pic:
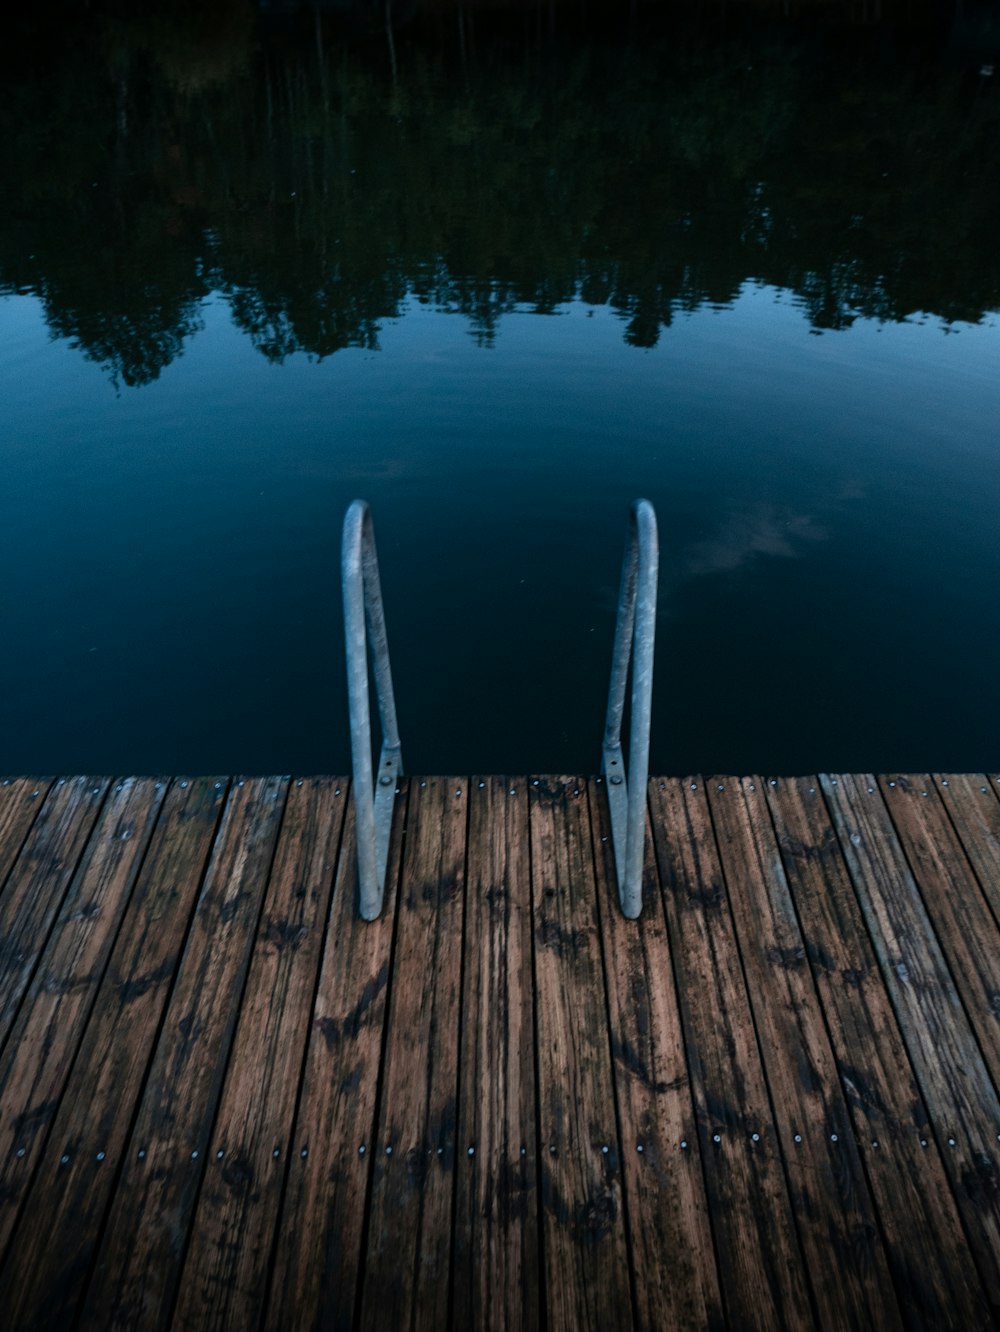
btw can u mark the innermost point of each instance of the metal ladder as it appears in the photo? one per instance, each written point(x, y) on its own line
point(374, 796)
point(364, 617)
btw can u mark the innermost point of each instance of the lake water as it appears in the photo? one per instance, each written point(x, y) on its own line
point(751, 276)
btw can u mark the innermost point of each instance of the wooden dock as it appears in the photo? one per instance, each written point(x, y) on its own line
point(770, 1103)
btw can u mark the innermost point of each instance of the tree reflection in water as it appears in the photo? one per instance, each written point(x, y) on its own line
point(151, 161)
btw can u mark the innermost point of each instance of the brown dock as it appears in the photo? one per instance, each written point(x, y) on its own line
point(771, 1102)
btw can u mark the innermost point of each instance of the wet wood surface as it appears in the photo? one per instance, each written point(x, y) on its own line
point(761, 1271)
point(840, 1239)
point(586, 1273)
point(226, 1101)
point(253, 1145)
point(415, 1152)
point(496, 1200)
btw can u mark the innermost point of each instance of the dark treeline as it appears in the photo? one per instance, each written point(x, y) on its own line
point(320, 180)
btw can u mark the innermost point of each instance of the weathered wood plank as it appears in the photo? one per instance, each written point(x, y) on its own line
point(47, 1263)
point(407, 1267)
point(935, 1276)
point(670, 1236)
point(496, 1206)
point(956, 1086)
point(224, 1281)
point(764, 1284)
point(138, 1264)
point(836, 1222)
point(20, 800)
point(39, 1055)
point(586, 1272)
point(975, 813)
point(38, 881)
point(965, 926)
point(319, 1252)
point(845, 961)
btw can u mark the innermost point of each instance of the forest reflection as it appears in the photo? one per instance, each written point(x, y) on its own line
point(319, 186)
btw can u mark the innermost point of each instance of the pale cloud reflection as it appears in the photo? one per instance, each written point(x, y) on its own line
point(747, 534)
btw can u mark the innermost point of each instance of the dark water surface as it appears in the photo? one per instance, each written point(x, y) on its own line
point(751, 274)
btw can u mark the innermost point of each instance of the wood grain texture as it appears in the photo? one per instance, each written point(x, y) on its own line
point(965, 926)
point(408, 1259)
point(670, 1236)
point(318, 1257)
point(961, 1100)
point(38, 880)
point(44, 1041)
point(586, 1270)
point(138, 1264)
point(188, 976)
point(973, 804)
point(21, 798)
point(50, 1257)
point(496, 1207)
point(224, 1281)
point(934, 1273)
point(763, 1280)
point(840, 1239)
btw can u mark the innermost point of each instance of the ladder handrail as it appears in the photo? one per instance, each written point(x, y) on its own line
point(635, 632)
point(364, 623)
